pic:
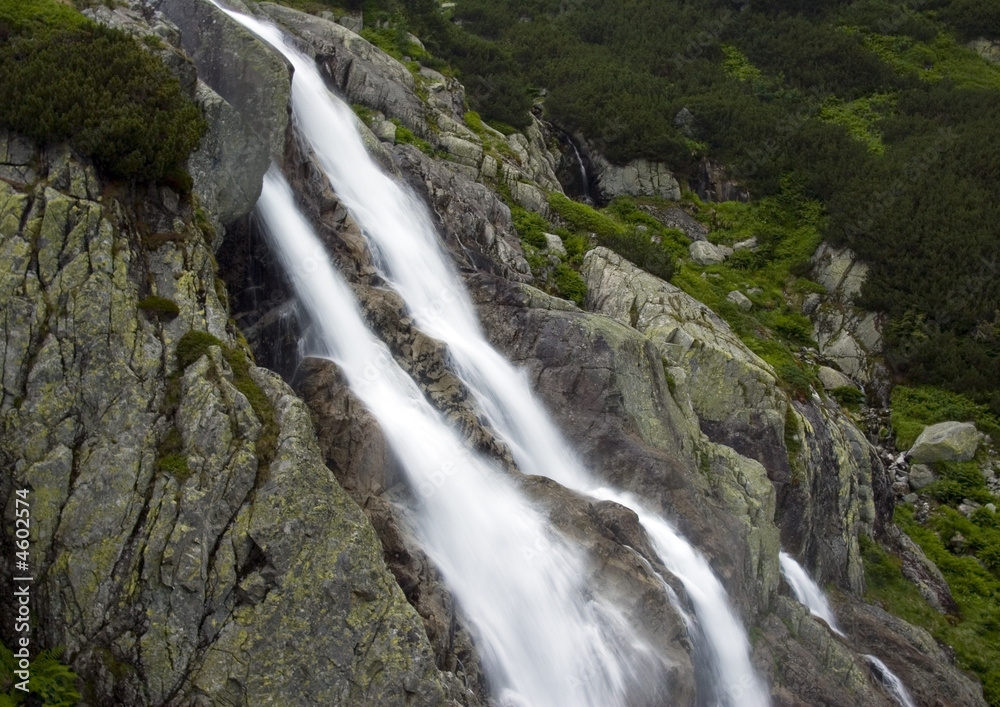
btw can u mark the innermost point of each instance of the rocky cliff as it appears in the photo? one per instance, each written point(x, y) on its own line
point(213, 534)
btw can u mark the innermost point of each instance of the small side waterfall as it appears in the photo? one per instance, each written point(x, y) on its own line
point(893, 685)
point(406, 249)
point(807, 591)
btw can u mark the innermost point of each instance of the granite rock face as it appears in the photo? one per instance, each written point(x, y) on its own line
point(194, 547)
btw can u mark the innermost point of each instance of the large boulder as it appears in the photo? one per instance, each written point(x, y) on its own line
point(946, 442)
point(228, 164)
point(705, 253)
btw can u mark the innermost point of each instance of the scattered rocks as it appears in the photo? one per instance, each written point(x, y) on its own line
point(748, 244)
point(946, 442)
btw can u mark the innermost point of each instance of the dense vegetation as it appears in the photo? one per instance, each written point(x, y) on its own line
point(65, 78)
point(876, 106)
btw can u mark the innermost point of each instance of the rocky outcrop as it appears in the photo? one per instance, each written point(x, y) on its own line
point(473, 221)
point(987, 49)
point(363, 72)
point(608, 390)
point(848, 337)
point(712, 184)
point(637, 178)
point(244, 71)
point(820, 463)
point(946, 442)
point(194, 548)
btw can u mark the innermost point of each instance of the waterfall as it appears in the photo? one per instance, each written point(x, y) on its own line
point(544, 639)
point(406, 249)
point(807, 591)
point(892, 683)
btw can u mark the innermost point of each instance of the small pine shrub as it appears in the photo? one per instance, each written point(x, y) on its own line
point(848, 396)
point(68, 79)
point(570, 284)
point(795, 378)
point(530, 226)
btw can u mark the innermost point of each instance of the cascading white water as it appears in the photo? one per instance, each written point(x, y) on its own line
point(545, 640)
point(807, 591)
point(406, 248)
point(892, 682)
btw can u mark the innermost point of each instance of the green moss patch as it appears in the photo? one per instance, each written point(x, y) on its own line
point(159, 306)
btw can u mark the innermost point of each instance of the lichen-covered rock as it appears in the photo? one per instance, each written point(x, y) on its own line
point(192, 548)
point(810, 452)
point(946, 442)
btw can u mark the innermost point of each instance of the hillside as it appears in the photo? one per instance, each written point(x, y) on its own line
point(500, 353)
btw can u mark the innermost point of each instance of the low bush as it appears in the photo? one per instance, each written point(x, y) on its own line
point(848, 396)
point(65, 78)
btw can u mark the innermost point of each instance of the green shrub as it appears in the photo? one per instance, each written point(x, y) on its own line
point(570, 284)
point(193, 345)
point(68, 79)
point(793, 376)
point(176, 465)
point(530, 226)
point(848, 396)
point(958, 480)
point(160, 306)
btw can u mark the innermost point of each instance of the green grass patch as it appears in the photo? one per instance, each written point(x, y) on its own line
point(860, 117)
point(630, 242)
point(971, 570)
point(97, 88)
point(958, 480)
point(405, 136)
point(936, 60)
point(915, 408)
